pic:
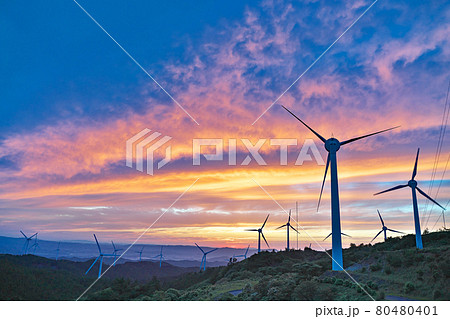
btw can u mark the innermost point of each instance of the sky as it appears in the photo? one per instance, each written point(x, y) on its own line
point(71, 98)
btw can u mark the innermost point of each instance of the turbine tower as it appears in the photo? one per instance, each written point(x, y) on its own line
point(161, 257)
point(412, 183)
point(244, 254)
point(100, 256)
point(140, 253)
point(288, 225)
point(35, 245)
point(27, 242)
point(260, 233)
point(384, 229)
point(115, 252)
point(332, 146)
point(203, 263)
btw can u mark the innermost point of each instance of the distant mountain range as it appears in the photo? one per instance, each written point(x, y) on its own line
point(177, 255)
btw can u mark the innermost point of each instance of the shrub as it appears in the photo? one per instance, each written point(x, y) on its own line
point(394, 260)
point(409, 286)
point(375, 267)
point(387, 270)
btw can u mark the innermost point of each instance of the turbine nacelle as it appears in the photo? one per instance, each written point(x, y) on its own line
point(412, 183)
point(332, 145)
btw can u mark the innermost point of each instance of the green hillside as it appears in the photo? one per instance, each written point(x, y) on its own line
point(390, 270)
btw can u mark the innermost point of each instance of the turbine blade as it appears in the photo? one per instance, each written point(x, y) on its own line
point(395, 231)
point(289, 219)
point(114, 246)
point(346, 235)
point(376, 235)
point(423, 193)
point(391, 189)
point(281, 226)
point(92, 265)
point(327, 237)
point(212, 250)
point(265, 221)
point(98, 245)
point(382, 222)
point(35, 234)
point(265, 239)
point(247, 250)
point(415, 165)
point(24, 234)
point(199, 248)
point(251, 230)
point(364, 136)
point(315, 133)
point(323, 183)
point(294, 229)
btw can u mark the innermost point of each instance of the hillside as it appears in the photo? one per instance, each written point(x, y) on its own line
point(390, 270)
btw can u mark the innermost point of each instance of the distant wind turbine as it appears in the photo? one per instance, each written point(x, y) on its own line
point(203, 263)
point(100, 256)
point(384, 228)
point(244, 254)
point(27, 242)
point(161, 257)
point(57, 251)
point(413, 185)
point(36, 244)
point(332, 146)
point(288, 225)
point(140, 253)
point(260, 233)
point(115, 251)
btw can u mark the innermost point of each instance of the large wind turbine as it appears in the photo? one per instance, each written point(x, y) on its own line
point(260, 233)
point(288, 225)
point(203, 263)
point(100, 256)
point(115, 252)
point(384, 228)
point(27, 242)
point(413, 185)
point(161, 257)
point(332, 145)
point(244, 254)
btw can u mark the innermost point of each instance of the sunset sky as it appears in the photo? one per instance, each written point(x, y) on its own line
point(70, 99)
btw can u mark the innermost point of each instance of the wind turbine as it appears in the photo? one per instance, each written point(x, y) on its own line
point(260, 233)
point(332, 145)
point(332, 233)
point(100, 256)
point(244, 254)
point(140, 253)
point(57, 251)
point(203, 263)
point(384, 228)
point(161, 257)
point(413, 185)
point(115, 252)
point(288, 225)
point(35, 245)
point(27, 242)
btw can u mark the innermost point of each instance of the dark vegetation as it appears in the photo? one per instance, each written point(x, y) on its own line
point(393, 268)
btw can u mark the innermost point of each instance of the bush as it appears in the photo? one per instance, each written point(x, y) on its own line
point(394, 260)
point(375, 267)
point(409, 286)
point(387, 270)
